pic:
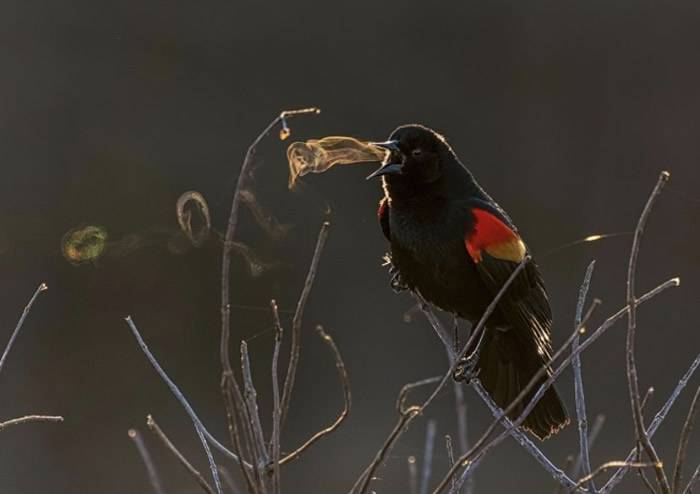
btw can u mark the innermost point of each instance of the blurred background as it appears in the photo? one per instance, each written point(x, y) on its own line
point(565, 111)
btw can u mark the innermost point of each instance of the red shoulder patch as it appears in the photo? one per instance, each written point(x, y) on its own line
point(493, 236)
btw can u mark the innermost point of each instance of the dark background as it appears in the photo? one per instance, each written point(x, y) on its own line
point(566, 111)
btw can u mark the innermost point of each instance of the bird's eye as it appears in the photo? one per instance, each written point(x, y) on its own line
point(417, 152)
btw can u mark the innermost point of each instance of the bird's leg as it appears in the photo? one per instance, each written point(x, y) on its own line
point(466, 367)
point(455, 336)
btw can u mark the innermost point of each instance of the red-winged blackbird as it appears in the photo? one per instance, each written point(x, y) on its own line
point(454, 245)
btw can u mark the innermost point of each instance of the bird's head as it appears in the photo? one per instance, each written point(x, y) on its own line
point(415, 155)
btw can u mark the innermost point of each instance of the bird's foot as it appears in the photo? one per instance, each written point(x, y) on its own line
point(466, 369)
point(396, 281)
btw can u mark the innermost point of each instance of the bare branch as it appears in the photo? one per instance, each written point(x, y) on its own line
point(275, 446)
point(568, 464)
point(30, 418)
point(696, 476)
point(606, 466)
point(412, 475)
point(153, 426)
point(592, 436)
point(633, 382)
point(153, 476)
point(450, 456)
point(405, 415)
point(428, 456)
point(41, 288)
point(231, 230)
point(683, 443)
point(655, 423)
point(296, 322)
point(347, 400)
point(251, 402)
point(578, 383)
point(198, 426)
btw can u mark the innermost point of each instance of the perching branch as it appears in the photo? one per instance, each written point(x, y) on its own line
point(408, 415)
point(633, 382)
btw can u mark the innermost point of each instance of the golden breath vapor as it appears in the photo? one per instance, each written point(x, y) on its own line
point(319, 155)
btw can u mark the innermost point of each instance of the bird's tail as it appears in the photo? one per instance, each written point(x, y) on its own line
point(505, 368)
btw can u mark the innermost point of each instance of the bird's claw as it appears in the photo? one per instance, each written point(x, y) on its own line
point(396, 282)
point(466, 369)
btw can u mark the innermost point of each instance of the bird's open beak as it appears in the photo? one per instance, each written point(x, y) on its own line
point(389, 167)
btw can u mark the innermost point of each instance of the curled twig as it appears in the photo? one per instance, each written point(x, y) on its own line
point(297, 320)
point(347, 400)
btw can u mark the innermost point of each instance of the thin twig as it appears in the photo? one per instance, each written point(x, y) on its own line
point(229, 480)
point(428, 456)
point(696, 476)
point(568, 465)
point(683, 442)
point(606, 466)
point(450, 454)
point(347, 400)
point(412, 475)
point(647, 396)
point(655, 423)
point(153, 476)
point(405, 413)
point(155, 428)
point(297, 320)
point(198, 426)
point(592, 437)
point(30, 418)
point(251, 400)
point(632, 380)
point(275, 446)
point(578, 383)
point(462, 428)
point(41, 288)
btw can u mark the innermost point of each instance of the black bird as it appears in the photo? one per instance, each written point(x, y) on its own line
point(454, 245)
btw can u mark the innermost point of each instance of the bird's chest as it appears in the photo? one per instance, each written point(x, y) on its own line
point(427, 242)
